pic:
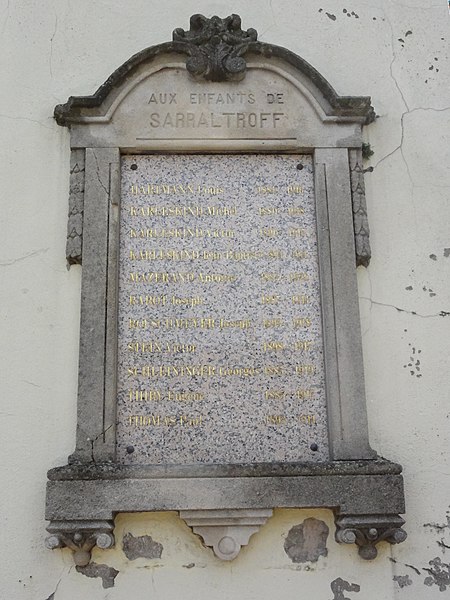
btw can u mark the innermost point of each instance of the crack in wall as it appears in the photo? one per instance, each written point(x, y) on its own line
point(442, 313)
point(5, 22)
point(30, 255)
point(93, 441)
point(98, 175)
point(3, 116)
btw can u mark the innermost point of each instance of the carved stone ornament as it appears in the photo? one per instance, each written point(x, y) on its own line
point(216, 47)
point(367, 530)
point(80, 537)
point(360, 220)
point(225, 531)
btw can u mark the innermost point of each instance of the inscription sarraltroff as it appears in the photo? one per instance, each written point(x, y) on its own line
point(211, 110)
point(220, 342)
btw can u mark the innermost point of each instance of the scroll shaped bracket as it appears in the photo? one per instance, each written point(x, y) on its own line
point(225, 531)
point(80, 537)
point(216, 47)
point(368, 530)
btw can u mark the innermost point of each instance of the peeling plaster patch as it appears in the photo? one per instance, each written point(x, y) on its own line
point(402, 580)
point(339, 586)
point(402, 41)
point(51, 597)
point(143, 546)
point(108, 574)
point(446, 252)
point(433, 257)
point(439, 574)
point(414, 363)
point(431, 293)
point(330, 16)
point(189, 566)
point(307, 542)
point(350, 14)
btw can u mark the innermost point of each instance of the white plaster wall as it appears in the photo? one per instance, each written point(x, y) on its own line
point(55, 48)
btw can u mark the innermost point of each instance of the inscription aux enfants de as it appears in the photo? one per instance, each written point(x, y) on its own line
point(215, 110)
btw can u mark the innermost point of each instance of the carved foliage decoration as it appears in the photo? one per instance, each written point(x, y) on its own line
point(215, 47)
point(360, 221)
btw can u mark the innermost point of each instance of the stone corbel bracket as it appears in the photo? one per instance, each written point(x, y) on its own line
point(225, 531)
point(367, 530)
point(80, 537)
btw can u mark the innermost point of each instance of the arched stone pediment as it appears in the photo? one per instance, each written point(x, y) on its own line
point(200, 86)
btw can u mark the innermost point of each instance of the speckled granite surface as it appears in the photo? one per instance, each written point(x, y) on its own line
point(220, 341)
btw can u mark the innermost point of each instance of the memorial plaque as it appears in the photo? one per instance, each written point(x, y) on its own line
point(220, 337)
point(220, 366)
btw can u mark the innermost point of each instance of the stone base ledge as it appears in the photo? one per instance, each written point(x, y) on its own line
point(365, 496)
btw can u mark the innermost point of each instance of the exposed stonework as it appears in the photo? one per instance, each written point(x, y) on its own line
point(339, 586)
point(107, 574)
point(307, 542)
point(402, 580)
point(439, 574)
point(141, 547)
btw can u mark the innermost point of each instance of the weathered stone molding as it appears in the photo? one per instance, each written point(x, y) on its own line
point(231, 501)
point(80, 537)
point(368, 530)
point(76, 204)
point(360, 220)
point(224, 61)
point(225, 531)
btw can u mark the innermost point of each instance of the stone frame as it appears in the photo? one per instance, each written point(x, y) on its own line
point(225, 504)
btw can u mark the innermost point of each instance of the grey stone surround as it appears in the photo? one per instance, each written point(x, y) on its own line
point(364, 491)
